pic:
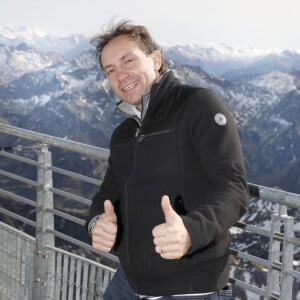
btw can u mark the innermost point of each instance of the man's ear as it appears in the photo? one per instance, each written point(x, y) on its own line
point(157, 58)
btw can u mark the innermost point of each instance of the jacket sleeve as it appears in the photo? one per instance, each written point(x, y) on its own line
point(215, 140)
point(108, 190)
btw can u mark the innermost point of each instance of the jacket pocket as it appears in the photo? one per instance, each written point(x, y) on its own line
point(157, 153)
point(153, 134)
point(144, 213)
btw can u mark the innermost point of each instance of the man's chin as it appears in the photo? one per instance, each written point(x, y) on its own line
point(133, 101)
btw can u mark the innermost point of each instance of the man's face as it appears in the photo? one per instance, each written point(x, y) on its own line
point(129, 70)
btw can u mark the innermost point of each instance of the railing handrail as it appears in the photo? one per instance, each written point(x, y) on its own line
point(69, 275)
point(274, 195)
point(55, 141)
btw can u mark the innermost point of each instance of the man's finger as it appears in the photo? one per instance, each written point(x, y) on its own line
point(169, 213)
point(110, 211)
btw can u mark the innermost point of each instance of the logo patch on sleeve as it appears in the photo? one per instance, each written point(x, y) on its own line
point(220, 119)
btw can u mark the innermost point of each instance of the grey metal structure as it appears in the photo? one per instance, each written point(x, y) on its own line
point(28, 273)
point(34, 266)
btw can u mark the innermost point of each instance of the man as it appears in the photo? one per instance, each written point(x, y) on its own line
point(175, 183)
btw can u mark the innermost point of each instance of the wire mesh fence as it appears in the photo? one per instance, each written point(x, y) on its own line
point(68, 276)
point(17, 252)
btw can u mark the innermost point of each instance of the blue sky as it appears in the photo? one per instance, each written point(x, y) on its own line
point(265, 24)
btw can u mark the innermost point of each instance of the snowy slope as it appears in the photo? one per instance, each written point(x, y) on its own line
point(35, 82)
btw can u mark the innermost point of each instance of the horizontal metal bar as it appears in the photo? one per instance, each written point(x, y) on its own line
point(275, 195)
point(71, 196)
point(55, 141)
point(247, 286)
point(253, 229)
point(67, 216)
point(17, 198)
point(19, 158)
point(18, 178)
point(83, 245)
point(249, 257)
point(17, 232)
point(242, 255)
point(294, 240)
point(76, 175)
point(81, 258)
point(17, 217)
point(294, 273)
point(278, 236)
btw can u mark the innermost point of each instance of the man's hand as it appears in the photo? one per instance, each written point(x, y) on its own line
point(105, 230)
point(171, 239)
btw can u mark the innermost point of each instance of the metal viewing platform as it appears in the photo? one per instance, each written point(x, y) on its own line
point(44, 253)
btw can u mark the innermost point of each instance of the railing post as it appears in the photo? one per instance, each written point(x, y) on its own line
point(274, 257)
point(44, 222)
point(287, 259)
point(273, 277)
point(279, 281)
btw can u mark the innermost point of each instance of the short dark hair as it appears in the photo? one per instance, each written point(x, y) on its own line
point(137, 32)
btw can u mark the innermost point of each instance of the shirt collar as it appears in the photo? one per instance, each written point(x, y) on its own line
point(130, 110)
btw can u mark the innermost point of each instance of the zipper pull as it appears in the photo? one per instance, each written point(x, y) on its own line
point(138, 136)
point(137, 133)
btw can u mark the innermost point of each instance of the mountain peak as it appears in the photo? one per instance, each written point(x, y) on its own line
point(23, 32)
point(68, 46)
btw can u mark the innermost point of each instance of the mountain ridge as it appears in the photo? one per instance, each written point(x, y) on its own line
point(34, 83)
point(222, 57)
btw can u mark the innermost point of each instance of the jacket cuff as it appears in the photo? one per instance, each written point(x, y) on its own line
point(92, 224)
point(193, 229)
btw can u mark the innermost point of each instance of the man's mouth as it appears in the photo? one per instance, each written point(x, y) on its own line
point(129, 87)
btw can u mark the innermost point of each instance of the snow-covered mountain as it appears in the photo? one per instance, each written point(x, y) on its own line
point(227, 61)
point(38, 86)
point(67, 45)
point(217, 59)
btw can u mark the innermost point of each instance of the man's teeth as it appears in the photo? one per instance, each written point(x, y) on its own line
point(128, 87)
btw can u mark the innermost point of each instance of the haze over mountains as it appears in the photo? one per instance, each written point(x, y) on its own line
point(55, 86)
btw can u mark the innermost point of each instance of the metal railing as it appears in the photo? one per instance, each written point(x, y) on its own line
point(48, 262)
point(60, 274)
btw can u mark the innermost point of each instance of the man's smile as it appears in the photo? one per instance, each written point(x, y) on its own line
point(129, 86)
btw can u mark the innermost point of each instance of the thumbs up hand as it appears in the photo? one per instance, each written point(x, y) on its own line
point(171, 239)
point(105, 230)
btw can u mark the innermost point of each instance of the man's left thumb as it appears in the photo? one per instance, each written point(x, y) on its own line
point(168, 210)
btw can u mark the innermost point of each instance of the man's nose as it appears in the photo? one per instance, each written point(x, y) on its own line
point(121, 74)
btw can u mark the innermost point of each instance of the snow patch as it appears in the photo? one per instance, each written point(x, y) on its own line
point(276, 81)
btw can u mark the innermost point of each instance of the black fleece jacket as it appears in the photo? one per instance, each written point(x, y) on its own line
point(188, 148)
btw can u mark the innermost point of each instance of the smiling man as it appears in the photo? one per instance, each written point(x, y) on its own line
point(130, 72)
point(175, 182)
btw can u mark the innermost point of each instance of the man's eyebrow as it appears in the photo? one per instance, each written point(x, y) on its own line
point(125, 55)
point(107, 67)
point(122, 58)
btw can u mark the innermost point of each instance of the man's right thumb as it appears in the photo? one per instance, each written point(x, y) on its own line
point(110, 211)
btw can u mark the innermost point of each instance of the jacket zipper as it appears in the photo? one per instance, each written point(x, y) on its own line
point(139, 137)
point(128, 254)
point(142, 136)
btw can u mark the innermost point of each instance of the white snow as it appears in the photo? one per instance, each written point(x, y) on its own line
point(28, 61)
point(22, 33)
point(276, 81)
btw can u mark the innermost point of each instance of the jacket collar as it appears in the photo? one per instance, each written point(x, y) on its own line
point(130, 110)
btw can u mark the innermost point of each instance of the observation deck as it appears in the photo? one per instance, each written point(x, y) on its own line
point(44, 251)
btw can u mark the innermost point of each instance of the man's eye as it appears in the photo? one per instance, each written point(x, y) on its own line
point(128, 61)
point(109, 72)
